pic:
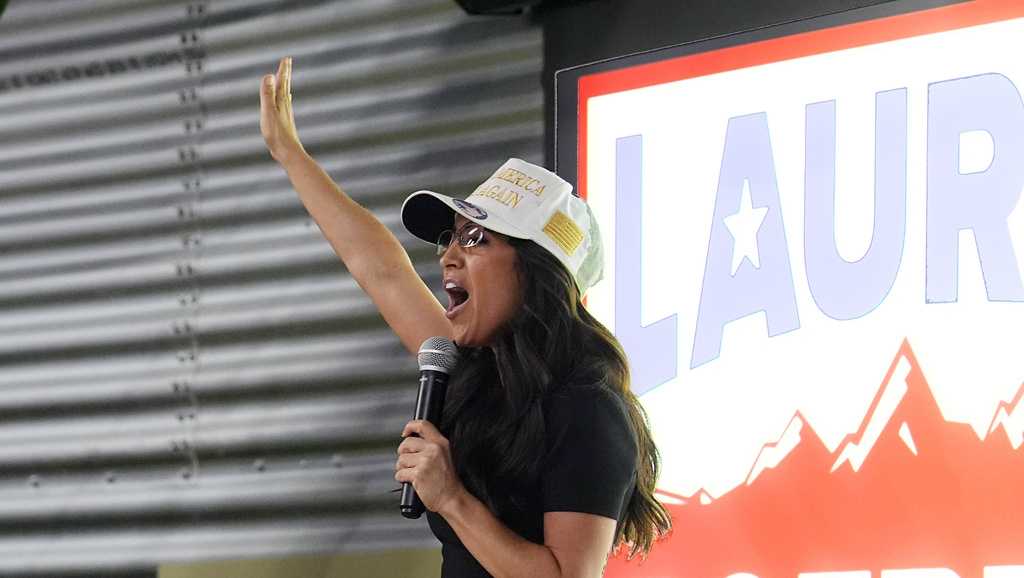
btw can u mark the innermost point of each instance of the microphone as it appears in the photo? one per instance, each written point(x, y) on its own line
point(437, 357)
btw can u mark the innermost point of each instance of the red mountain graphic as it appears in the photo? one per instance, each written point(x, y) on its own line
point(908, 490)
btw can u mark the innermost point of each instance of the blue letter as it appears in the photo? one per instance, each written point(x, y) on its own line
point(652, 350)
point(979, 201)
point(844, 289)
point(726, 297)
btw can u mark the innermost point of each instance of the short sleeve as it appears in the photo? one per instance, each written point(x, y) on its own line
point(591, 455)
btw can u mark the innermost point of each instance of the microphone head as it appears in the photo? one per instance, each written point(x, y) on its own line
point(438, 354)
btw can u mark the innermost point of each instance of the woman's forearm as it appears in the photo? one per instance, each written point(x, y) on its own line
point(372, 254)
point(502, 552)
point(368, 249)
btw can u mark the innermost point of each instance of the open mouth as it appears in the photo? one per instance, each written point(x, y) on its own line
point(457, 298)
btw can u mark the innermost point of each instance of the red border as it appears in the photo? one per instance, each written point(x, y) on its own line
point(784, 48)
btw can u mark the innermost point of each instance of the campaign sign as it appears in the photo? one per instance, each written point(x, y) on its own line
point(815, 251)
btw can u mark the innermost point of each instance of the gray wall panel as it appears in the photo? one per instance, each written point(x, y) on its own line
point(187, 372)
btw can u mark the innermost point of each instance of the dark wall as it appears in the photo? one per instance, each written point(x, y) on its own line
point(583, 31)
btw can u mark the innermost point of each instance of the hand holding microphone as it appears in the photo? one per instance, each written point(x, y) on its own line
point(424, 456)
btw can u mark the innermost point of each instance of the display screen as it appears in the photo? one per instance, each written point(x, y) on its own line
point(815, 244)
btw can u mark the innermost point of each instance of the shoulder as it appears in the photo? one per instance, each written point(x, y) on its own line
point(583, 396)
point(590, 410)
point(590, 464)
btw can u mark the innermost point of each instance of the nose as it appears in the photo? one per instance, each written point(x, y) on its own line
point(452, 256)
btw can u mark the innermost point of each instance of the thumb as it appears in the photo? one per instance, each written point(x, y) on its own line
point(267, 88)
point(268, 108)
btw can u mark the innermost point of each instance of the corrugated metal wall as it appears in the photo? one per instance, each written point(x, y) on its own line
point(187, 371)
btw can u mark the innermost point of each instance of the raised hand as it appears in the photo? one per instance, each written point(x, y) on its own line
point(277, 122)
point(372, 254)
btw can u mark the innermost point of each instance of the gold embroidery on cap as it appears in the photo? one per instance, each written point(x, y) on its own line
point(503, 195)
point(522, 180)
point(564, 232)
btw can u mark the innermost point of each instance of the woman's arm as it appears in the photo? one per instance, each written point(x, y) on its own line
point(371, 253)
point(576, 545)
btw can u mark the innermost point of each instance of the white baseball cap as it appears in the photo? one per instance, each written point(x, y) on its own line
point(524, 201)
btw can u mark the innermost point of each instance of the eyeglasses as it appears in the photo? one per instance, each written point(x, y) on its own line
point(468, 235)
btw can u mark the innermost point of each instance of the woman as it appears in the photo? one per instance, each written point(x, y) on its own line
point(543, 461)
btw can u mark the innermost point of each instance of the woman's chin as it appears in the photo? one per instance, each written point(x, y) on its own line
point(466, 339)
point(465, 342)
point(461, 337)
point(466, 334)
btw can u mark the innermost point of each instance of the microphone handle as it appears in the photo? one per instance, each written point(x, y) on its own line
point(429, 404)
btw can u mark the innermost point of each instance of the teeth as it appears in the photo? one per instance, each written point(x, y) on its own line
point(450, 285)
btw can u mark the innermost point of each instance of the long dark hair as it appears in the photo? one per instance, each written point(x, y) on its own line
point(496, 394)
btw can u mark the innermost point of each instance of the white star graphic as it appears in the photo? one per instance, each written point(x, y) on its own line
point(743, 226)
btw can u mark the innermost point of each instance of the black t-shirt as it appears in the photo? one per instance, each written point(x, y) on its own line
point(589, 466)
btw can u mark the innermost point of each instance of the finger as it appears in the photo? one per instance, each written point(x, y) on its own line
point(280, 76)
point(406, 475)
point(267, 109)
point(412, 428)
point(411, 445)
point(425, 430)
point(286, 106)
point(288, 77)
point(267, 93)
point(408, 461)
point(287, 96)
point(283, 82)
